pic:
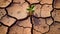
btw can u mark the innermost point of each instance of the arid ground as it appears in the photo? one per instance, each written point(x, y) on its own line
point(15, 18)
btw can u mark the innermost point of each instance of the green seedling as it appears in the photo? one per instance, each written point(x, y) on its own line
point(31, 9)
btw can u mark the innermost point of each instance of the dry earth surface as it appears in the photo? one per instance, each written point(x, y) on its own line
point(15, 19)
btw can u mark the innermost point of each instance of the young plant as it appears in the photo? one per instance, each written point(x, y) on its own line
point(31, 10)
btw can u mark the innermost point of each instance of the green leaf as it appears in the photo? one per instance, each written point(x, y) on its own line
point(28, 9)
point(31, 9)
point(32, 6)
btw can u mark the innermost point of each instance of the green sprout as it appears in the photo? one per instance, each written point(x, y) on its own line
point(31, 9)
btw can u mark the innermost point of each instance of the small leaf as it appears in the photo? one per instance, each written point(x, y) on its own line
point(28, 9)
point(32, 6)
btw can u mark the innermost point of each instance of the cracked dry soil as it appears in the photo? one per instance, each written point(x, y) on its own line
point(14, 18)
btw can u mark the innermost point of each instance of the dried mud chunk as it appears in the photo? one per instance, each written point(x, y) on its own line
point(24, 23)
point(3, 29)
point(16, 30)
point(56, 3)
point(7, 20)
point(49, 21)
point(19, 1)
point(54, 29)
point(27, 31)
point(18, 11)
point(40, 25)
point(56, 15)
point(4, 3)
point(37, 12)
point(19, 30)
point(2, 13)
point(45, 11)
point(36, 32)
point(33, 1)
point(46, 1)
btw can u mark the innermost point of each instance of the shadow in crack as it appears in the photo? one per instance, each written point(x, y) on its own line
point(36, 21)
point(35, 15)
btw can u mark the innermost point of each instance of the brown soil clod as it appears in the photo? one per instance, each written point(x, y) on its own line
point(4, 3)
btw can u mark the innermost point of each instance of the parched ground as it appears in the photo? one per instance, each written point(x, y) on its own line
point(15, 19)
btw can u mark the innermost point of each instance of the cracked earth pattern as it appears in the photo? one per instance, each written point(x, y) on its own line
point(14, 18)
